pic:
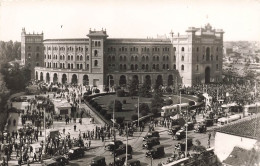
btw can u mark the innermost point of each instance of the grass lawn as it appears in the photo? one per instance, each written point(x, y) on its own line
point(131, 103)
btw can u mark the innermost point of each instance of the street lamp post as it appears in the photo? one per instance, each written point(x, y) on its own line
point(138, 111)
point(114, 131)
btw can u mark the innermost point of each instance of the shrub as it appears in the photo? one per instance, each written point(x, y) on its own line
point(120, 93)
point(154, 111)
point(87, 98)
point(191, 103)
point(120, 120)
point(134, 117)
point(124, 101)
point(117, 106)
point(91, 101)
point(169, 102)
point(168, 89)
point(143, 113)
point(103, 112)
point(108, 116)
point(106, 89)
point(98, 108)
point(94, 104)
point(97, 91)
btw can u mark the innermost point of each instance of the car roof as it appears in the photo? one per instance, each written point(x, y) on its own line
point(132, 160)
point(157, 146)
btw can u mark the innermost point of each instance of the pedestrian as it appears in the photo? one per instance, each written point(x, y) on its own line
point(89, 143)
point(75, 127)
point(209, 135)
point(34, 157)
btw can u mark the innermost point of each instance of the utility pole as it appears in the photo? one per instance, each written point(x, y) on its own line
point(109, 83)
point(186, 141)
point(114, 131)
point(151, 160)
point(44, 125)
point(138, 111)
point(126, 143)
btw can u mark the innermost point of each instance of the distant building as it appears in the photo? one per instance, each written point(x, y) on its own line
point(101, 61)
point(243, 134)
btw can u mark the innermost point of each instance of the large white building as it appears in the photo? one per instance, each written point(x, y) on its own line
point(97, 60)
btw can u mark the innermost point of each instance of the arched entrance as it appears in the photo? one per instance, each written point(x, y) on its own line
point(122, 80)
point(41, 76)
point(170, 80)
point(207, 75)
point(64, 79)
point(74, 79)
point(147, 80)
point(85, 80)
point(55, 77)
point(110, 80)
point(159, 80)
point(48, 77)
point(36, 75)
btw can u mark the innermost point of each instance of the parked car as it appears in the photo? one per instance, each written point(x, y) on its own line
point(179, 135)
point(174, 129)
point(190, 126)
point(122, 149)
point(133, 162)
point(200, 128)
point(156, 152)
point(151, 134)
point(208, 122)
point(151, 142)
point(74, 153)
point(50, 162)
point(120, 160)
point(182, 145)
point(98, 161)
point(113, 145)
point(61, 160)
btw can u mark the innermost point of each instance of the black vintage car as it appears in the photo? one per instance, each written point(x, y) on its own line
point(113, 145)
point(98, 161)
point(179, 135)
point(190, 126)
point(151, 134)
point(200, 128)
point(174, 129)
point(150, 142)
point(122, 149)
point(156, 152)
point(74, 153)
point(61, 160)
point(182, 145)
point(208, 122)
point(133, 162)
point(120, 160)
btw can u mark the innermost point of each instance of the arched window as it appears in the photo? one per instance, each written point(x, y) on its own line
point(158, 58)
point(81, 57)
point(174, 48)
point(132, 58)
point(68, 57)
point(174, 57)
point(95, 63)
point(217, 57)
point(143, 66)
point(163, 58)
point(143, 58)
point(132, 67)
point(87, 58)
point(167, 57)
point(182, 58)
point(217, 49)
point(81, 66)
point(136, 67)
point(95, 53)
point(95, 43)
point(68, 66)
point(71, 66)
point(120, 66)
point(120, 58)
point(212, 57)
point(153, 66)
point(174, 66)
point(182, 67)
point(77, 57)
point(147, 58)
point(153, 58)
point(71, 57)
point(63, 57)
point(136, 58)
point(167, 66)
point(197, 68)
point(157, 66)
point(207, 54)
point(197, 49)
point(182, 49)
point(99, 44)
point(147, 67)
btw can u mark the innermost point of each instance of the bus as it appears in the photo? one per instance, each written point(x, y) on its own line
point(226, 120)
point(251, 108)
point(173, 109)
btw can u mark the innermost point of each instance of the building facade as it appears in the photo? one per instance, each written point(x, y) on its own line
point(101, 61)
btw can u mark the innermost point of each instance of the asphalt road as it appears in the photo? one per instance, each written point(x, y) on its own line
point(138, 152)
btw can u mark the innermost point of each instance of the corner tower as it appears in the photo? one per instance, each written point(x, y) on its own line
point(96, 47)
point(31, 50)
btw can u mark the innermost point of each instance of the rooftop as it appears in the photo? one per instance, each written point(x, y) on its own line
point(249, 128)
point(240, 156)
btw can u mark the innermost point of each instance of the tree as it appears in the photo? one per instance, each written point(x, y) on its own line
point(120, 120)
point(144, 107)
point(134, 117)
point(144, 91)
point(117, 106)
point(133, 87)
point(169, 102)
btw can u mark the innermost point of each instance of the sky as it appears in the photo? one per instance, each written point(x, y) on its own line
point(240, 19)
